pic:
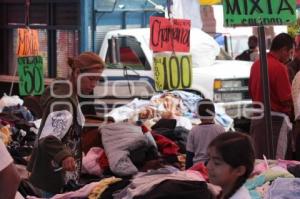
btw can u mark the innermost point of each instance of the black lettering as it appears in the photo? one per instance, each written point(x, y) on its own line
point(37, 79)
point(166, 85)
point(252, 22)
point(245, 7)
point(288, 7)
point(172, 85)
point(244, 21)
point(234, 8)
point(22, 61)
point(256, 7)
point(155, 27)
point(269, 7)
point(189, 83)
point(186, 37)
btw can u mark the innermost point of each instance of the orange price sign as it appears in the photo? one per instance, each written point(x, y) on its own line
point(28, 42)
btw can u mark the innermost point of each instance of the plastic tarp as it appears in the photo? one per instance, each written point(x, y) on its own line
point(188, 9)
point(204, 48)
point(210, 2)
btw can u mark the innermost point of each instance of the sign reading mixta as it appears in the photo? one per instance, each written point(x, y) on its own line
point(259, 12)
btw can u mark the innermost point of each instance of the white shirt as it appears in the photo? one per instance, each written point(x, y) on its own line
point(296, 95)
point(241, 193)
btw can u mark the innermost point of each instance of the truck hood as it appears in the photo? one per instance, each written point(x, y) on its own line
point(226, 69)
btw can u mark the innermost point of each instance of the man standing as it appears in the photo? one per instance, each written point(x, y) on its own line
point(294, 65)
point(280, 95)
point(252, 53)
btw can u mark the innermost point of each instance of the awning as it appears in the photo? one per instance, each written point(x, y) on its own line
point(212, 2)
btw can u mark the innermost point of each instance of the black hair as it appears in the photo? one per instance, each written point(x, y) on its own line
point(236, 150)
point(206, 108)
point(282, 40)
point(252, 42)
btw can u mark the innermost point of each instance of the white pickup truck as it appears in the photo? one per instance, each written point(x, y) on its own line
point(129, 71)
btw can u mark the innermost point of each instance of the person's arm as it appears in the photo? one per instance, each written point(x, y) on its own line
point(61, 154)
point(189, 159)
point(53, 131)
point(9, 181)
point(9, 177)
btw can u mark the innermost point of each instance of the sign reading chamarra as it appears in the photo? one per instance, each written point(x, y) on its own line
point(259, 12)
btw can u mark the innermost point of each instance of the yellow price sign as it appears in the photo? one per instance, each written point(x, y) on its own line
point(172, 72)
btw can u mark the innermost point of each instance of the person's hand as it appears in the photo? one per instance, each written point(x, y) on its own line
point(68, 164)
point(214, 189)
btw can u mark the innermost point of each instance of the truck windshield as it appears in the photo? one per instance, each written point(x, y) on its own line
point(129, 53)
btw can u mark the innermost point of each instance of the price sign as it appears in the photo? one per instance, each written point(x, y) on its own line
point(167, 35)
point(172, 72)
point(256, 13)
point(28, 42)
point(31, 78)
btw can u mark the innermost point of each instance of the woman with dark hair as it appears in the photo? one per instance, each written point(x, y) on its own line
point(56, 157)
point(231, 161)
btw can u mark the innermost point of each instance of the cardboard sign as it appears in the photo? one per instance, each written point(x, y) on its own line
point(258, 12)
point(169, 35)
point(31, 76)
point(172, 72)
point(28, 42)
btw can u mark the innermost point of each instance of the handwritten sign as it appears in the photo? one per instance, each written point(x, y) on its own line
point(172, 72)
point(169, 35)
point(31, 78)
point(256, 12)
point(28, 42)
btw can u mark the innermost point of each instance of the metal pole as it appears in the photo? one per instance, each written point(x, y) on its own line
point(266, 92)
point(94, 25)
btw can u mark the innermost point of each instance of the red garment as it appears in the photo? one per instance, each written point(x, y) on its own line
point(165, 146)
point(144, 129)
point(280, 88)
point(200, 167)
point(103, 161)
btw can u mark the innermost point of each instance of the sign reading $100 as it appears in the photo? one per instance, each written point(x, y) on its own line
point(172, 72)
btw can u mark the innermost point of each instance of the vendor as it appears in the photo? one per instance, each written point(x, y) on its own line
point(56, 157)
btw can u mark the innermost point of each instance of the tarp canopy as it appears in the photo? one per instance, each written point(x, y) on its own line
point(210, 2)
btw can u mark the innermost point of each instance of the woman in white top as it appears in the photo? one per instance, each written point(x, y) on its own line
point(296, 101)
point(231, 161)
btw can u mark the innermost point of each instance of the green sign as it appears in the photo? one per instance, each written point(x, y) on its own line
point(259, 12)
point(31, 78)
point(172, 72)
